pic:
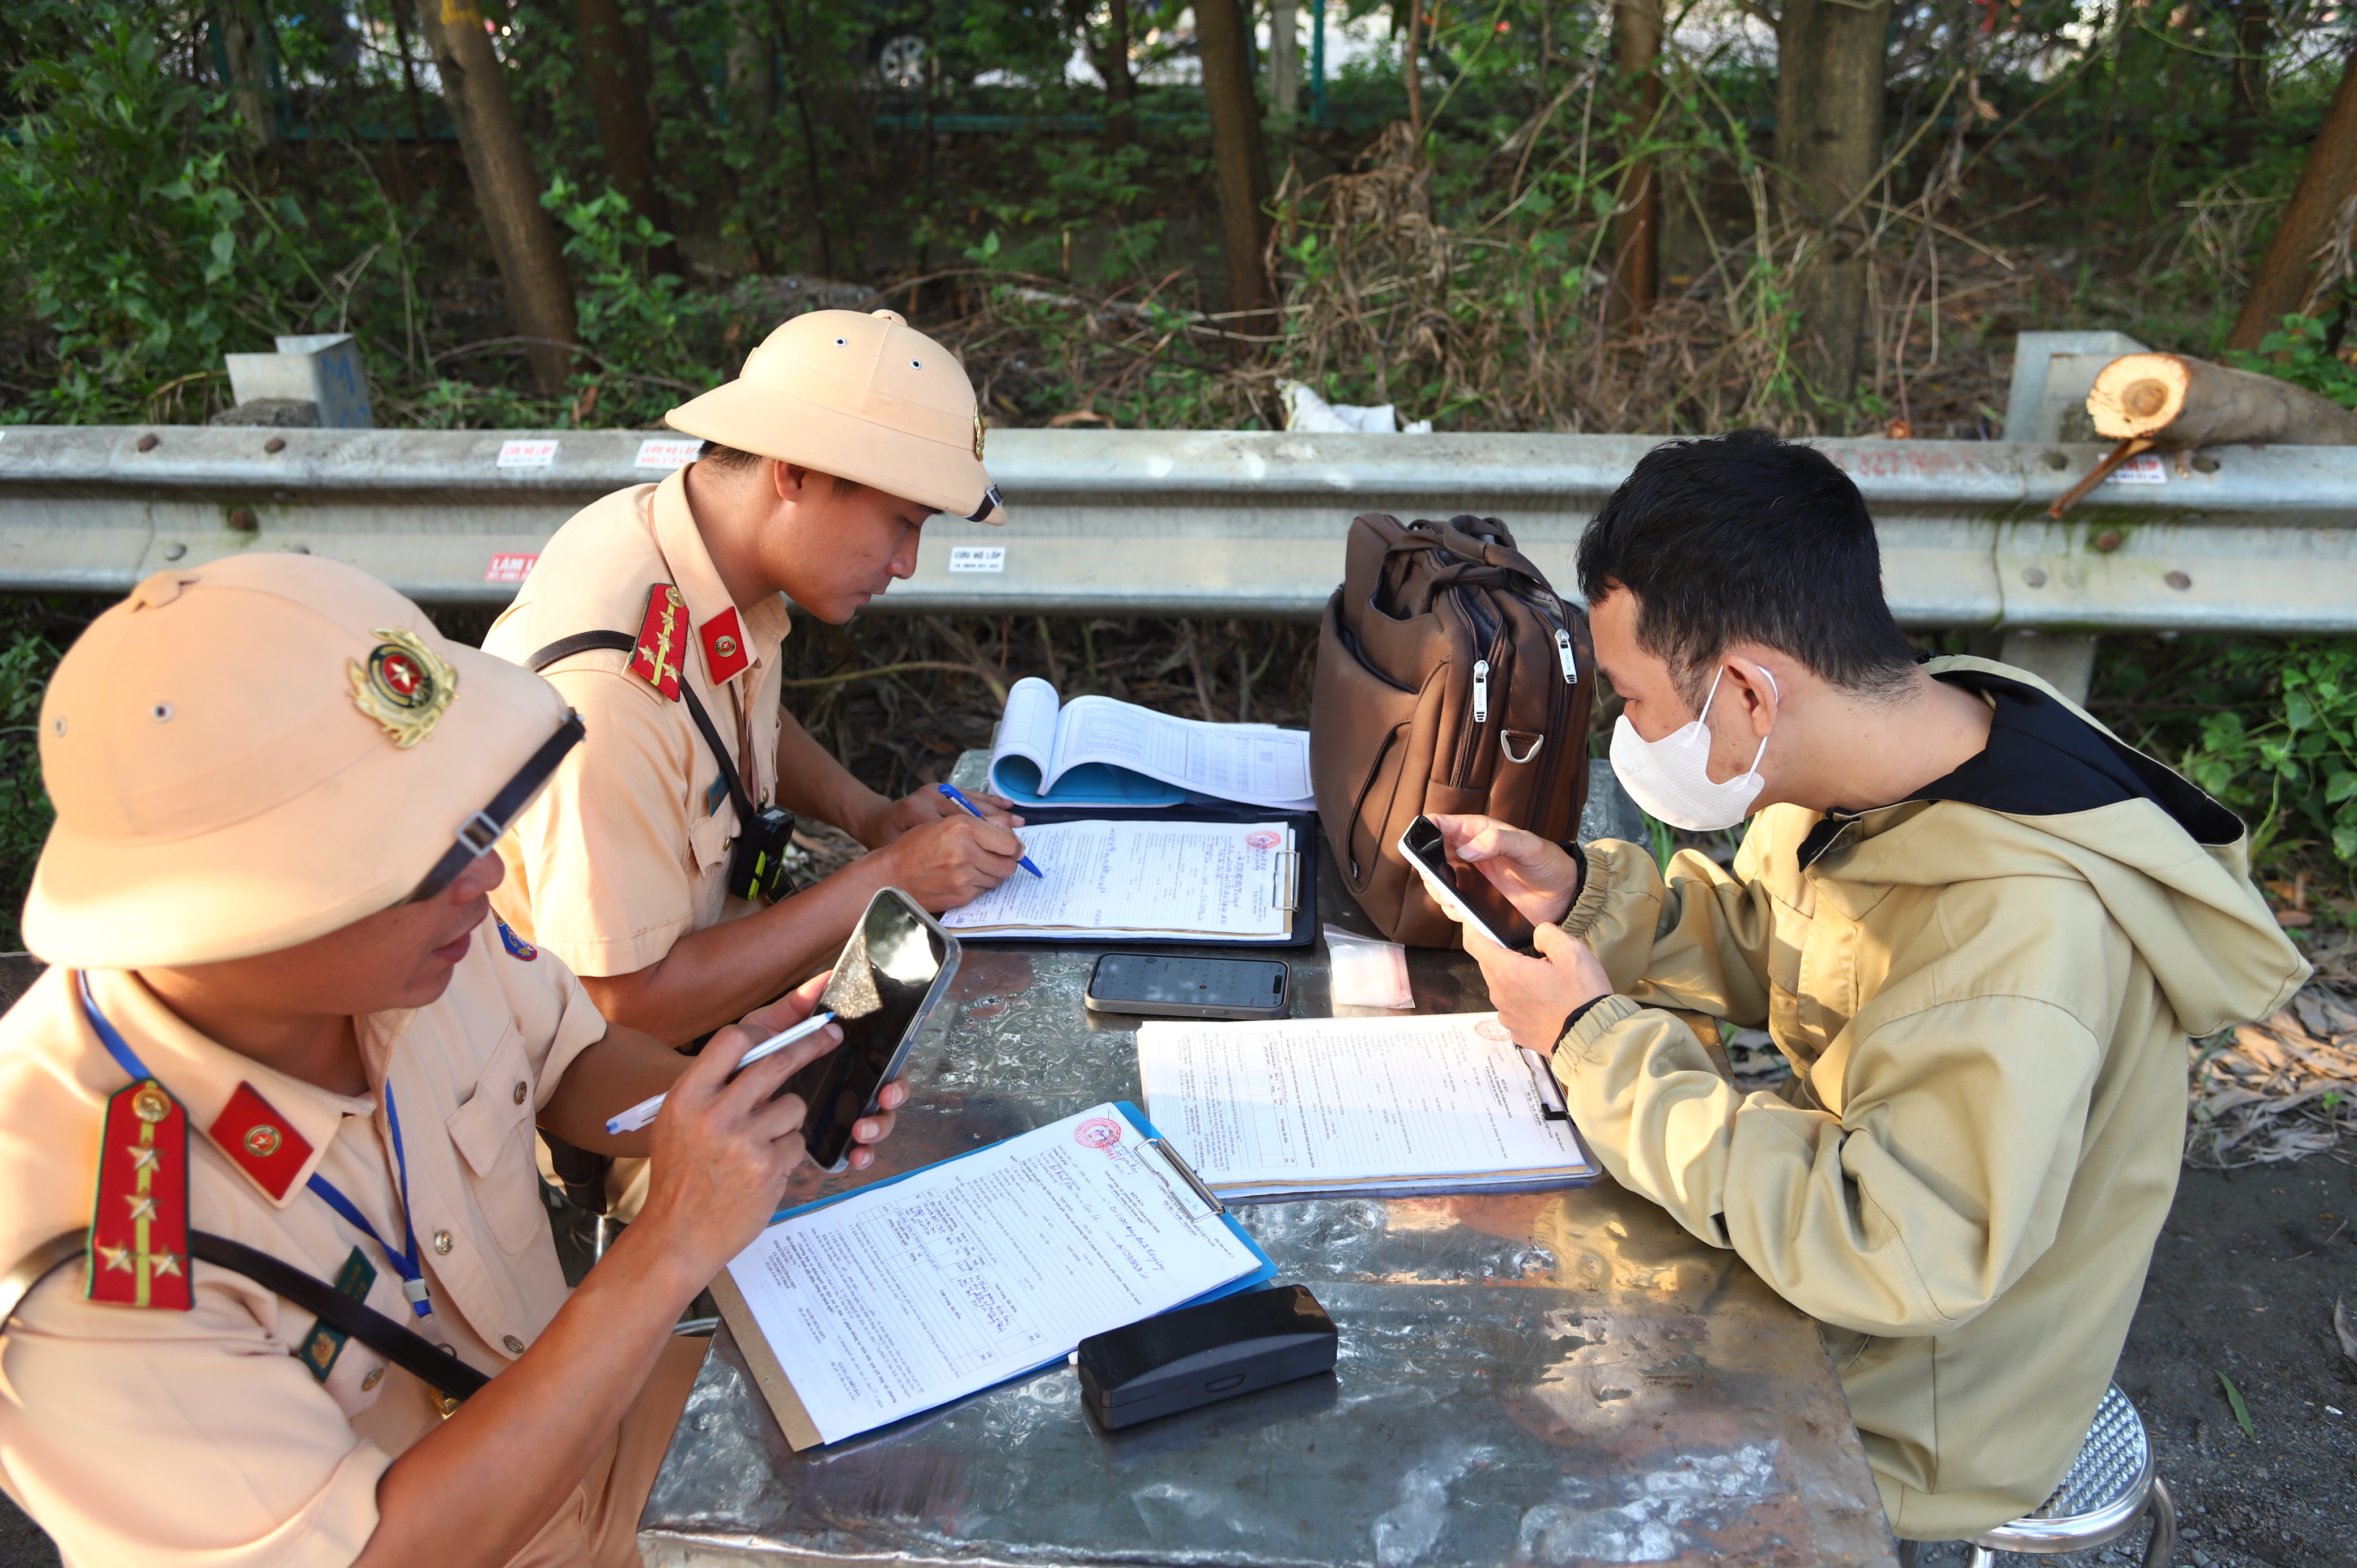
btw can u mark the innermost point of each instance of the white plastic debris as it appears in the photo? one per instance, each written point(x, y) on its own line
point(1306, 411)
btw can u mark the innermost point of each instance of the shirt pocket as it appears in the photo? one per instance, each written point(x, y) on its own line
point(493, 1134)
point(708, 838)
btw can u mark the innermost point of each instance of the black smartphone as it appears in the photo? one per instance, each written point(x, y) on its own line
point(1156, 987)
point(893, 972)
point(1462, 889)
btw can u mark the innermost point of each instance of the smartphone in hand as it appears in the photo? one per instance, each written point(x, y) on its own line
point(1462, 890)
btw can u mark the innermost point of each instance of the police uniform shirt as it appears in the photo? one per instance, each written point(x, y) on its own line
point(177, 1437)
point(628, 850)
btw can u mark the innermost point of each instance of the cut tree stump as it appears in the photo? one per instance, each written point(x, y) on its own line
point(2176, 401)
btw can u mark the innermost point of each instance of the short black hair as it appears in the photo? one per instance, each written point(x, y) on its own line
point(734, 460)
point(1747, 538)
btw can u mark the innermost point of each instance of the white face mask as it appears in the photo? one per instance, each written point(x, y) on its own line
point(1669, 778)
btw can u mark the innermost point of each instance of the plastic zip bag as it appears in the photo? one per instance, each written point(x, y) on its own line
point(1368, 972)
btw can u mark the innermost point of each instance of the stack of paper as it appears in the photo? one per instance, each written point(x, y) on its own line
point(1313, 1106)
point(916, 1291)
point(1225, 881)
point(1097, 751)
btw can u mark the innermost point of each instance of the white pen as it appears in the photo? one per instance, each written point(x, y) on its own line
point(638, 1115)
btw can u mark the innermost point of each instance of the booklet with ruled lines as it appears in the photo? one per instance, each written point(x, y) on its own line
point(1318, 1107)
point(1101, 751)
point(857, 1311)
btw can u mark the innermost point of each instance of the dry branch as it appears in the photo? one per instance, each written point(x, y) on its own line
point(2178, 402)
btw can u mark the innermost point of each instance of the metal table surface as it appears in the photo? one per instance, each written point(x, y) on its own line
point(1551, 1377)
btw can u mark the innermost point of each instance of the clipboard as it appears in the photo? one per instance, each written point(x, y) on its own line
point(777, 1387)
point(1304, 873)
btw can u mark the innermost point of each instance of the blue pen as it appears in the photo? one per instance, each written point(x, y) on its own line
point(1023, 861)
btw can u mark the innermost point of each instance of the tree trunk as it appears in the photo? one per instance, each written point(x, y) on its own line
point(615, 59)
point(245, 40)
point(1829, 141)
point(1637, 214)
point(2175, 401)
point(2253, 25)
point(2327, 182)
point(507, 190)
point(1239, 162)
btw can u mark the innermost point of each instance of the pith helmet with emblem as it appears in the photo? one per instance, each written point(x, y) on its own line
point(252, 753)
point(862, 396)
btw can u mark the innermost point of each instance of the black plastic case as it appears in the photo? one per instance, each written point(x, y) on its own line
point(1201, 1355)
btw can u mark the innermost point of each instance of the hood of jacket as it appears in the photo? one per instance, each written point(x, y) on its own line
point(2056, 793)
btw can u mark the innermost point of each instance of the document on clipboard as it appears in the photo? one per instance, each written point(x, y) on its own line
point(1164, 881)
point(861, 1310)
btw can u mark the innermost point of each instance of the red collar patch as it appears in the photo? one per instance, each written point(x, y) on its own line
point(260, 1142)
point(663, 641)
point(725, 655)
point(139, 1229)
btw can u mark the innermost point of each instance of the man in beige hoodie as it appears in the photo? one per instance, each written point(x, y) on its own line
point(1978, 925)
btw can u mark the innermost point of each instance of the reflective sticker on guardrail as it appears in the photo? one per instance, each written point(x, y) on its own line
point(509, 568)
point(667, 452)
point(2145, 471)
point(977, 557)
point(527, 453)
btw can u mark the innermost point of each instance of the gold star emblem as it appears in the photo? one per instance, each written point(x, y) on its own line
point(141, 1208)
point(116, 1258)
point(143, 1157)
point(405, 685)
point(163, 1262)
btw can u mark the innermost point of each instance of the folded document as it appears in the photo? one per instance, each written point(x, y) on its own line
point(1099, 751)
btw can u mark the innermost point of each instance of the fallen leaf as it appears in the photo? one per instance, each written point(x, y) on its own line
point(2241, 1412)
point(2294, 918)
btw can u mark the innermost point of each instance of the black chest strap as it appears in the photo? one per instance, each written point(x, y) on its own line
point(620, 642)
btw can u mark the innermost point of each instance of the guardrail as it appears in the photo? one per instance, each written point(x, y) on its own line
point(1186, 523)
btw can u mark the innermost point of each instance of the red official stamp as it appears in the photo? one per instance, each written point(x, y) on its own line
point(1265, 839)
point(1490, 1029)
point(1098, 1132)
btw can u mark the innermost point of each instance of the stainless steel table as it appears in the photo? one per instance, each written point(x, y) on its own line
point(1554, 1378)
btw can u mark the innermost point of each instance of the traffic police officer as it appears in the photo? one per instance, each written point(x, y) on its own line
point(279, 1020)
point(658, 612)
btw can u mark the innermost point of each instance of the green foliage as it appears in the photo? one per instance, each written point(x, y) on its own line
point(2297, 352)
point(26, 660)
point(2234, 1403)
point(2290, 767)
point(650, 341)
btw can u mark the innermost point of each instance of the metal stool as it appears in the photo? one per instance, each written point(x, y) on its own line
point(2110, 1487)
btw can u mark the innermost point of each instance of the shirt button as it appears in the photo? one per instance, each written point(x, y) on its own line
point(442, 1242)
point(514, 1345)
point(519, 1091)
point(369, 1383)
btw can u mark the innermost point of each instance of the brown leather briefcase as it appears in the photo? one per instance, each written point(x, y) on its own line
point(1450, 677)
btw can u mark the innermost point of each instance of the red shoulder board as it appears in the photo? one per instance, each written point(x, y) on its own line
point(139, 1229)
point(258, 1141)
point(663, 641)
point(724, 646)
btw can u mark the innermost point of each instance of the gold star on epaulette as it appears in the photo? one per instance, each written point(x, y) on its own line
point(142, 1158)
point(142, 1206)
point(116, 1258)
point(163, 1262)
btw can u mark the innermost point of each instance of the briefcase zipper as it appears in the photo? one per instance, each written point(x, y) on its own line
point(1563, 651)
point(1558, 720)
point(1480, 692)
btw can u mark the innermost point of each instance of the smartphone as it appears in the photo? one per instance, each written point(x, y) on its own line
point(1462, 889)
point(893, 972)
point(1157, 987)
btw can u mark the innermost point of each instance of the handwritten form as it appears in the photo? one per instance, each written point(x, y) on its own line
point(1101, 751)
point(1223, 880)
point(904, 1296)
point(1305, 1105)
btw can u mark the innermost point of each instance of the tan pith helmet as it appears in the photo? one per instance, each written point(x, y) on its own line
point(864, 397)
point(249, 754)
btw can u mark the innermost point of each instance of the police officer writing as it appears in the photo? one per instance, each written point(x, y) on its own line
point(653, 863)
point(282, 1031)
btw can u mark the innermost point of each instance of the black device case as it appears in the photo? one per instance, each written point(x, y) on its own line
point(1199, 1355)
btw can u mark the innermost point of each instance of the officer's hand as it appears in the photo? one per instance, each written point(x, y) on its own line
point(949, 863)
point(1537, 877)
point(789, 1009)
point(929, 805)
point(723, 1150)
point(1535, 995)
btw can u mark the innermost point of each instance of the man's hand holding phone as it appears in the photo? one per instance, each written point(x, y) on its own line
point(1533, 995)
point(1539, 878)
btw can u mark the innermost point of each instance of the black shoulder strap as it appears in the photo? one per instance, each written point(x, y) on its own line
point(621, 642)
point(412, 1352)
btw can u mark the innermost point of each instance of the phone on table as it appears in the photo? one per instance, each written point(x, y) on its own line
point(1155, 986)
point(893, 972)
point(1463, 890)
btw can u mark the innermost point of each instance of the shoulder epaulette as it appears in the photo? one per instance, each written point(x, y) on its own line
point(661, 648)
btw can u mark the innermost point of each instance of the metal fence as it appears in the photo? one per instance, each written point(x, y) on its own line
point(1183, 522)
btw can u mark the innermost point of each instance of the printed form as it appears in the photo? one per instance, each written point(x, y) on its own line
point(1303, 1104)
point(1221, 880)
point(1059, 752)
point(906, 1295)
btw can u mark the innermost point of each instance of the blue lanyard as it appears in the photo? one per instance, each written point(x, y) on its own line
point(404, 1261)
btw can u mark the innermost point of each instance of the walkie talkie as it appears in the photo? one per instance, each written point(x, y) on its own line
point(757, 866)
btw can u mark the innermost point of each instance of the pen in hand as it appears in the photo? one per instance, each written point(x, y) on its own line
point(638, 1115)
point(953, 793)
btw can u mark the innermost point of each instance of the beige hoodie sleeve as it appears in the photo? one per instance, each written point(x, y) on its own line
point(1695, 939)
point(1962, 1091)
